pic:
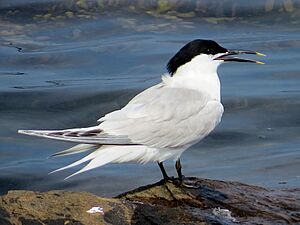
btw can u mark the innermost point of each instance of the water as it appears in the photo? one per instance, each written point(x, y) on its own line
point(65, 66)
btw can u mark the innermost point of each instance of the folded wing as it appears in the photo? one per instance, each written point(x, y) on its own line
point(164, 117)
point(159, 117)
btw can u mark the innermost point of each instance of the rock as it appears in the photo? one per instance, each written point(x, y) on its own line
point(55, 208)
point(214, 202)
point(248, 204)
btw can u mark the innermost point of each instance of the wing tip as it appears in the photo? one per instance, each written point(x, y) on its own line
point(25, 132)
point(32, 132)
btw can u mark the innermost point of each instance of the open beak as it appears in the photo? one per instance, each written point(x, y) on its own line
point(228, 56)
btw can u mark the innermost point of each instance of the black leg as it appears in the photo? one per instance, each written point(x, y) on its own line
point(182, 181)
point(163, 171)
point(178, 169)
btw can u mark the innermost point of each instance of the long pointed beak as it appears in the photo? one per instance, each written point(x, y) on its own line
point(225, 56)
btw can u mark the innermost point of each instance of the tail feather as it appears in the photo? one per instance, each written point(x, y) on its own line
point(110, 154)
point(76, 149)
point(78, 162)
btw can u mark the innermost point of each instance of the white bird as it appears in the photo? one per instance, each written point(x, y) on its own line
point(161, 122)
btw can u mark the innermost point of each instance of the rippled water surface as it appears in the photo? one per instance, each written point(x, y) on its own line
point(65, 66)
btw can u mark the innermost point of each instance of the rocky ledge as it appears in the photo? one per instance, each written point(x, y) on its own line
point(214, 202)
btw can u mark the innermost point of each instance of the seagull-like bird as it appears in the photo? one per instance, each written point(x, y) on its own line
point(161, 122)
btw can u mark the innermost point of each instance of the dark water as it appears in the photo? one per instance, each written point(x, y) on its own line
point(66, 65)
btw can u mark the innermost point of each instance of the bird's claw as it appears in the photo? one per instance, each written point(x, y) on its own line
point(169, 180)
point(182, 182)
point(194, 185)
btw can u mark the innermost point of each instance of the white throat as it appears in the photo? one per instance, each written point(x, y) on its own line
point(199, 74)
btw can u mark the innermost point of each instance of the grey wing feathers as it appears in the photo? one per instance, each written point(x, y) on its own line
point(163, 117)
point(91, 135)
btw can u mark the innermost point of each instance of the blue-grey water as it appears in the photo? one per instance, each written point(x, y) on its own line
point(66, 65)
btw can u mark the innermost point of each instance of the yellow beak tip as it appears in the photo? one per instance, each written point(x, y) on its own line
point(259, 54)
point(258, 62)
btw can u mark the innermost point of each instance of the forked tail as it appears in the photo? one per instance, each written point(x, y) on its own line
point(102, 155)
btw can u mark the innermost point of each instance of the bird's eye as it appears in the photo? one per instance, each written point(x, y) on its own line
point(209, 52)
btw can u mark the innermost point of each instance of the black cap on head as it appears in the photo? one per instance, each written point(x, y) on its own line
point(192, 49)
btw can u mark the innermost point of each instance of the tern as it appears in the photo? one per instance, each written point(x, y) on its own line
point(161, 122)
